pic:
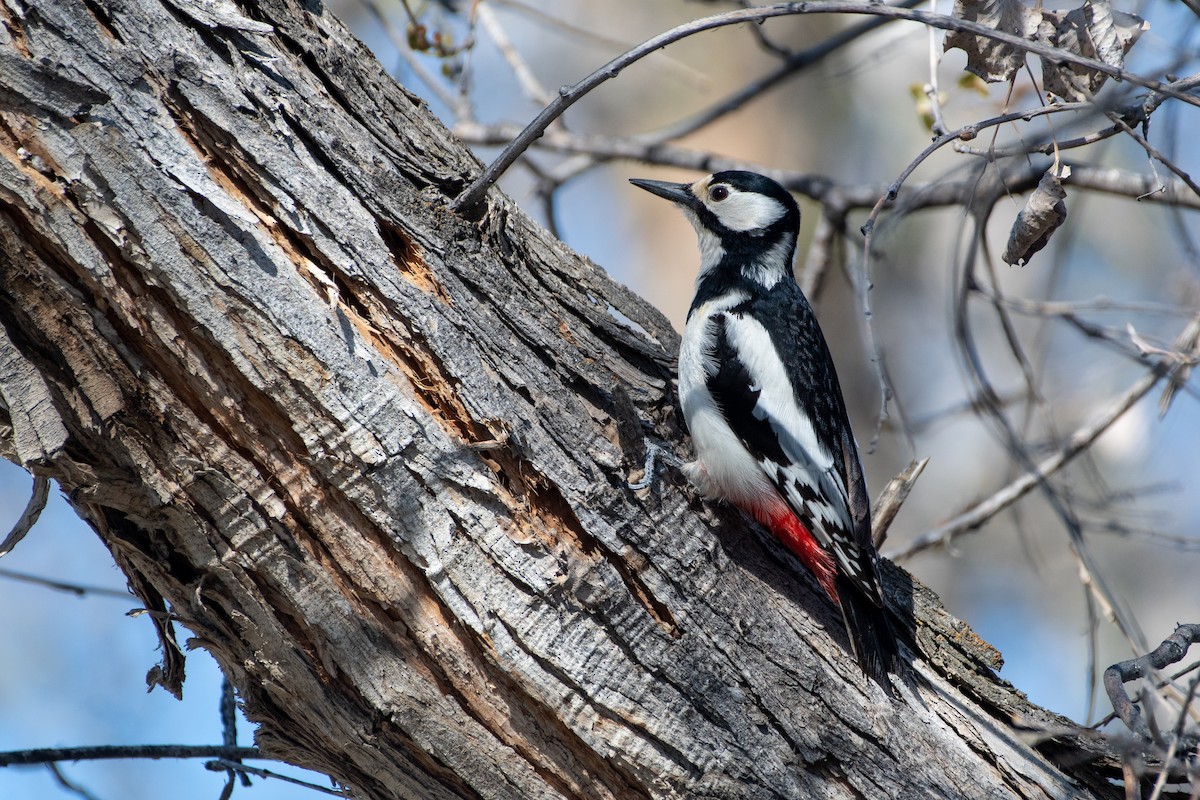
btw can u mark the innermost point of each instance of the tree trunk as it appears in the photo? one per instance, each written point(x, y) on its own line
point(373, 456)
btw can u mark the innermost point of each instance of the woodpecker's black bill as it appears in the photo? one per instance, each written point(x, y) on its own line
point(675, 192)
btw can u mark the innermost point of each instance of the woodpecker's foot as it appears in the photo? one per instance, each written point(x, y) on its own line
point(697, 475)
point(650, 466)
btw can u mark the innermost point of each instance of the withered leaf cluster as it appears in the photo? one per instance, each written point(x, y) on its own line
point(1094, 30)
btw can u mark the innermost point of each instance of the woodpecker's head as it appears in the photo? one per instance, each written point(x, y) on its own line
point(745, 221)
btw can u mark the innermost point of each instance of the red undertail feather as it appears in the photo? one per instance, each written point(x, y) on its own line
point(871, 636)
point(795, 535)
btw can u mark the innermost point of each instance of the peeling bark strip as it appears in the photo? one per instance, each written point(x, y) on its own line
point(369, 454)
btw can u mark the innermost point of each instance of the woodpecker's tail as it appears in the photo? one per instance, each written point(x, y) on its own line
point(871, 635)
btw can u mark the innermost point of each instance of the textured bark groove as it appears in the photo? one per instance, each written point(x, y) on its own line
point(373, 456)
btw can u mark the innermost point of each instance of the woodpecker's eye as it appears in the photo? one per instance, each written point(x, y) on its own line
point(719, 193)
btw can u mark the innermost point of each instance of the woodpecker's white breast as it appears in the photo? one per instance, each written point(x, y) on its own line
point(724, 467)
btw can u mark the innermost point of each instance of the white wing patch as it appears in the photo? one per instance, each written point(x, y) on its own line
point(809, 480)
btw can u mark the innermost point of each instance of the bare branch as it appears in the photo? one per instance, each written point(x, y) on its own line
point(1154, 154)
point(678, 69)
point(1171, 651)
point(965, 133)
point(516, 62)
point(607, 147)
point(68, 784)
point(794, 63)
point(399, 41)
point(77, 589)
point(1133, 184)
point(45, 755)
point(844, 196)
point(1044, 147)
point(244, 770)
point(887, 505)
point(569, 95)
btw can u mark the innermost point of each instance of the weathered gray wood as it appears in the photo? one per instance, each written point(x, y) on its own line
point(373, 456)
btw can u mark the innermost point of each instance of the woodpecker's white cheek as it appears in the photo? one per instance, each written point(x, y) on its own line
point(746, 211)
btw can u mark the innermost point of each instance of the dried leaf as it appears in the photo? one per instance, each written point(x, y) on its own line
point(1045, 210)
point(989, 59)
point(1094, 30)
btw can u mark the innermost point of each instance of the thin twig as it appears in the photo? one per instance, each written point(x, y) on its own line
point(608, 147)
point(1099, 304)
point(569, 95)
point(932, 89)
point(45, 755)
point(821, 252)
point(1018, 488)
point(529, 83)
point(971, 405)
point(68, 784)
point(754, 89)
point(236, 766)
point(77, 589)
point(227, 710)
point(1132, 184)
point(1044, 148)
point(965, 133)
point(1159, 684)
point(1090, 575)
point(844, 196)
point(400, 42)
point(682, 72)
point(1154, 154)
point(887, 505)
point(1171, 651)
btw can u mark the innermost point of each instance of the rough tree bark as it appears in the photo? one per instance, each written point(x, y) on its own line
point(373, 455)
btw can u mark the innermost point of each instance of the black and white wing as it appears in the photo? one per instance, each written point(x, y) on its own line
point(781, 397)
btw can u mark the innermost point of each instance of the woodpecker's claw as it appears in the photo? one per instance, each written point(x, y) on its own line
point(650, 466)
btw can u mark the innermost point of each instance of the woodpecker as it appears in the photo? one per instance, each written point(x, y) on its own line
point(762, 401)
